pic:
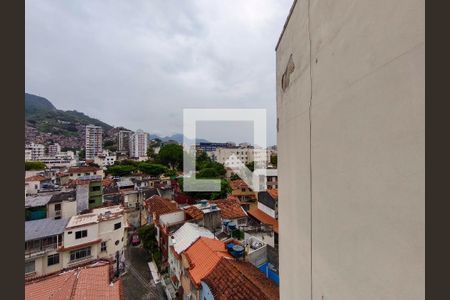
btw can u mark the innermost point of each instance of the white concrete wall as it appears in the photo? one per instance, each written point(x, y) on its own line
point(110, 236)
point(171, 218)
point(70, 241)
point(359, 233)
point(267, 210)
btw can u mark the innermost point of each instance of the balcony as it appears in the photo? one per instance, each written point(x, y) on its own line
point(41, 250)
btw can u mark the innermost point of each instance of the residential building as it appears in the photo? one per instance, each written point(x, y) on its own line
point(62, 205)
point(167, 217)
point(37, 151)
point(95, 235)
point(242, 191)
point(28, 154)
point(124, 140)
point(196, 267)
point(181, 239)
point(138, 144)
point(268, 202)
point(84, 172)
point(204, 214)
point(93, 282)
point(234, 279)
point(94, 141)
point(232, 157)
point(104, 160)
point(211, 147)
point(89, 193)
point(54, 149)
point(268, 230)
point(43, 238)
point(36, 206)
point(351, 150)
point(36, 183)
point(231, 210)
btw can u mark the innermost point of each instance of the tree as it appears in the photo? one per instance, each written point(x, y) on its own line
point(147, 234)
point(208, 173)
point(82, 154)
point(170, 173)
point(150, 152)
point(120, 170)
point(171, 155)
point(152, 169)
point(34, 165)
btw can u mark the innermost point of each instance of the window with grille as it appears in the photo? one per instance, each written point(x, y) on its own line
point(80, 253)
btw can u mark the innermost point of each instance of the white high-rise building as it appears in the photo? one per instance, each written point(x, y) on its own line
point(54, 149)
point(34, 151)
point(94, 141)
point(138, 144)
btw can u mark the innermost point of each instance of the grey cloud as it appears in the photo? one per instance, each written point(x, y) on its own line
point(139, 63)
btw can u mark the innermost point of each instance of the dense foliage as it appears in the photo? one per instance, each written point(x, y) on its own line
point(34, 165)
point(171, 155)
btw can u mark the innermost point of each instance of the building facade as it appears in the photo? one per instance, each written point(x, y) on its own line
point(138, 144)
point(124, 140)
point(34, 151)
point(351, 140)
point(54, 149)
point(94, 141)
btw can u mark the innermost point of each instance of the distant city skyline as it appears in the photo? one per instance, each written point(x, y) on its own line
point(138, 64)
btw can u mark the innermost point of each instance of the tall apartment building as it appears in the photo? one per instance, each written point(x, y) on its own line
point(94, 141)
point(34, 151)
point(124, 139)
point(54, 149)
point(351, 144)
point(138, 144)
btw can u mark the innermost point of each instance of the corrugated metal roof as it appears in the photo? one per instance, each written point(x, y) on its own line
point(39, 200)
point(188, 234)
point(38, 229)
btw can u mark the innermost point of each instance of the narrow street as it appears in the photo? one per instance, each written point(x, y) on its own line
point(137, 282)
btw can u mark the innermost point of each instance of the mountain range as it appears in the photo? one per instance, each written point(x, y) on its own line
point(45, 124)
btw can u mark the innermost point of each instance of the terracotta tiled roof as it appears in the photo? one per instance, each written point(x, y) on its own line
point(203, 256)
point(107, 182)
point(238, 184)
point(36, 178)
point(273, 193)
point(159, 206)
point(84, 169)
point(237, 280)
point(264, 218)
point(87, 283)
point(230, 208)
point(194, 212)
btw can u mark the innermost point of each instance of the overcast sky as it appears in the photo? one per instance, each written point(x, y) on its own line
point(137, 64)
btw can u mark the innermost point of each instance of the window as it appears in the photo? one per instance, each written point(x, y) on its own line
point(96, 188)
point(58, 206)
point(91, 200)
point(103, 247)
point(80, 234)
point(29, 266)
point(117, 242)
point(117, 225)
point(80, 253)
point(53, 259)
